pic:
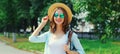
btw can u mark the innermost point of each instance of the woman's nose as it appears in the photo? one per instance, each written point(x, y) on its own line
point(58, 16)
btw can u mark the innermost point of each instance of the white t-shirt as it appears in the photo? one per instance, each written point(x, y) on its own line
point(56, 46)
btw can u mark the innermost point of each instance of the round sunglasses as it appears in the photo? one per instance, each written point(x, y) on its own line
point(61, 15)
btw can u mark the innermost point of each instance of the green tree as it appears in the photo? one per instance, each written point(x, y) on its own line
point(36, 9)
point(23, 16)
point(104, 14)
point(10, 12)
point(14, 14)
point(2, 15)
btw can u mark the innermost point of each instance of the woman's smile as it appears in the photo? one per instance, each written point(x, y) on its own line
point(59, 20)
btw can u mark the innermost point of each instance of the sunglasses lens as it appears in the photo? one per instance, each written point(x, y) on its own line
point(56, 15)
point(62, 15)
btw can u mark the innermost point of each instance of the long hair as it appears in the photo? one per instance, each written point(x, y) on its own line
point(65, 25)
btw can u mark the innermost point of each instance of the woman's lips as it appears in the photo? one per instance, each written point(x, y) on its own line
point(58, 20)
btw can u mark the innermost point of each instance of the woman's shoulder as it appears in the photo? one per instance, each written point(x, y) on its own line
point(47, 33)
point(73, 34)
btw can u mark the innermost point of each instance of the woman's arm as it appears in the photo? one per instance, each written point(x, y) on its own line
point(34, 37)
point(77, 44)
point(38, 39)
point(39, 28)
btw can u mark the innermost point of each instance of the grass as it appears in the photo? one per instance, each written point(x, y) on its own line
point(90, 46)
point(1, 34)
point(96, 47)
point(30, 46)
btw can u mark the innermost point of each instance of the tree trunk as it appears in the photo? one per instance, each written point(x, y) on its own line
point(14, 36)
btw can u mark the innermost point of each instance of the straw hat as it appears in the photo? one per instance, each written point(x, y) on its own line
point(52, 8)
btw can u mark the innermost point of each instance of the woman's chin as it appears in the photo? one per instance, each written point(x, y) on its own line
point(58, 23)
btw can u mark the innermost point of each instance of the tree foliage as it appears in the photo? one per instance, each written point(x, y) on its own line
point(104, 14)
point(13, 14)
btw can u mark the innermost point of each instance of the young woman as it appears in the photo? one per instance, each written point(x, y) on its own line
point(57, 37)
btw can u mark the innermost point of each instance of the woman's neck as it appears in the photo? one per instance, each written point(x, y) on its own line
point(59, 29)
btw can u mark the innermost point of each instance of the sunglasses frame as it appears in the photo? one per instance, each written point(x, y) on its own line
point(61, 15)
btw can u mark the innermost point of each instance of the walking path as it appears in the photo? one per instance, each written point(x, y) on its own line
point(6, 49)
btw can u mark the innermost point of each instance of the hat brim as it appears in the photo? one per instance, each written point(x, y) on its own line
point(52, 8)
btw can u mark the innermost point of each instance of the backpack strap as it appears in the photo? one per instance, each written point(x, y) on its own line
point(69, 37)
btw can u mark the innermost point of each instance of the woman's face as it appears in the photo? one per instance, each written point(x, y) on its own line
point(59, 17)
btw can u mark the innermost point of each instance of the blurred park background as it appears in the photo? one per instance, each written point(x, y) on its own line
point(96, 22)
